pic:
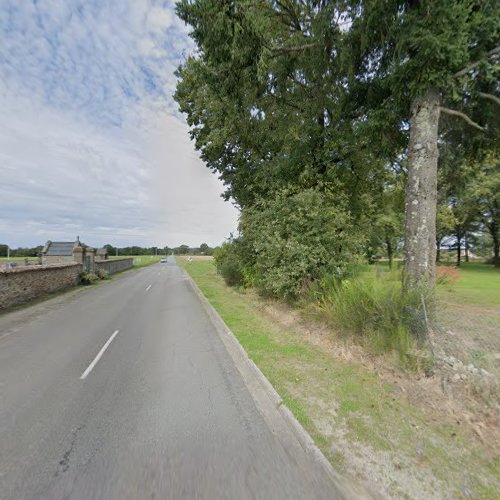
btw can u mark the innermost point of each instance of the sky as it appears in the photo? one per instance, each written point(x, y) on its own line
point(91, 140)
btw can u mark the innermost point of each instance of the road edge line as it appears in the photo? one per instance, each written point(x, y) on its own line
point(303, 437)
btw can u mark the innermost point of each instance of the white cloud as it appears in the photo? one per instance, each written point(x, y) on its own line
point(90, 142)
point(159, 19)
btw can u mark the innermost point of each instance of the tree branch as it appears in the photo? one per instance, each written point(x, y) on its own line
point(491, 97)
point(453, 112)
point(297, 48)
point(293, 15)
point(464, 71)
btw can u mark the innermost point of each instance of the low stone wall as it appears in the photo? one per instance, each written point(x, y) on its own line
point(21, 284)
point(113, 266)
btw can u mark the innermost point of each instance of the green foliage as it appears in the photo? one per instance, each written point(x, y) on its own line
point(228, 264)
point(296, 237)
point(87, 278)
point(374, 310)
point(102, 274)
point(447, 275)
point(20, 252)
point(182, 250)
point(484, 194)
point(300, 96)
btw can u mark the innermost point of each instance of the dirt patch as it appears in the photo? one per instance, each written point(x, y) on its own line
point(454, 397)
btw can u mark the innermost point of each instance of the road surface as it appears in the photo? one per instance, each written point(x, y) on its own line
point(125, 390)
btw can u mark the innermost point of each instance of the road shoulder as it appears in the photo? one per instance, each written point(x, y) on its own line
point(271, 405)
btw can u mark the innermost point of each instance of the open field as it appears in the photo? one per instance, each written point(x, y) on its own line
point(140, 260)
point(466, 323)
point(5, 259)
point(377, 426)
point(478, 285)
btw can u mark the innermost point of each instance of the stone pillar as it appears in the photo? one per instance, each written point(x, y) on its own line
point(78, 255)
point(102, 254)
point(90, 254)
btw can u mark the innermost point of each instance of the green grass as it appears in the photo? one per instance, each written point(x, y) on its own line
point(479, 284)
point(325, 393)
point(17, 258)
point(371, 308)
point(140, 260)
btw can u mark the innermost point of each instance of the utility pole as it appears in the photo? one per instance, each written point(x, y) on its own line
point(8, 252)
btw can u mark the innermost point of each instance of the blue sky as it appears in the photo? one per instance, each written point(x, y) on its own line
point(91, 142)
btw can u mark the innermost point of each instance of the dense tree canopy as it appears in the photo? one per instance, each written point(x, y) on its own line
point(345, 98)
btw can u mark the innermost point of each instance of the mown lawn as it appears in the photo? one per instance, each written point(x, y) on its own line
point(364, 426)
point(4, 259)
point(478, 283)
point(141, 260)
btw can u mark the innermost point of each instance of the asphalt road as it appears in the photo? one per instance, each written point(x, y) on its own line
point(163, 412)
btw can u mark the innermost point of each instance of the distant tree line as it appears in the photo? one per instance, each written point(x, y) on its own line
point(203, 249)
point(20, 252)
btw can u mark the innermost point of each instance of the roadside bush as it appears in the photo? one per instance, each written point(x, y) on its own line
point(446, 275)
point(228, 264)
point(374, 310)
point(102, 274)
point(294, 239)
point(87, 278)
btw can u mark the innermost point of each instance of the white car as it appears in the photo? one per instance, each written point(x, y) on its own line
point(163, 260)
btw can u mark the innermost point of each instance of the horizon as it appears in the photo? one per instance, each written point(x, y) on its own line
point(92, 142)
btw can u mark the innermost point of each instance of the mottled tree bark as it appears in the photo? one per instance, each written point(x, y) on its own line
point(421, 192)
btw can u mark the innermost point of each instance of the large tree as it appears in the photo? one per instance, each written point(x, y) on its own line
point(484, 195)
point(328, 93)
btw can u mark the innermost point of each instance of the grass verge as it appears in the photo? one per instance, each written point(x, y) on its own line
point(364, 425)
point(141, 260)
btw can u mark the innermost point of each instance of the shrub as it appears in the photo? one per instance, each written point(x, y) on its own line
point(295, 238)
point(87, 278)
point(446, 275)
point(228, 264)
point(374, 310)
point(102, 274)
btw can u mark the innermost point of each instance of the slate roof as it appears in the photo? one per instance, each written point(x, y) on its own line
point(60, 249)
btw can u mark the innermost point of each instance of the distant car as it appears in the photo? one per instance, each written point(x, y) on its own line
point(163, 260)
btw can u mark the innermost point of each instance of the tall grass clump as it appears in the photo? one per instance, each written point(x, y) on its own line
point(374, 309)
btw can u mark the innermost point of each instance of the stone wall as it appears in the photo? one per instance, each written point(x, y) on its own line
point(21, 284)
point(113, 266)
point(48, 260)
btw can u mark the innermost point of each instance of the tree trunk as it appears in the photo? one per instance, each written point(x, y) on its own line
point(496, 243)
point(389, 251)
point(466, 244)
point(438, 250)
point(459, 247)
point(496, 252)
point(421, 192)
